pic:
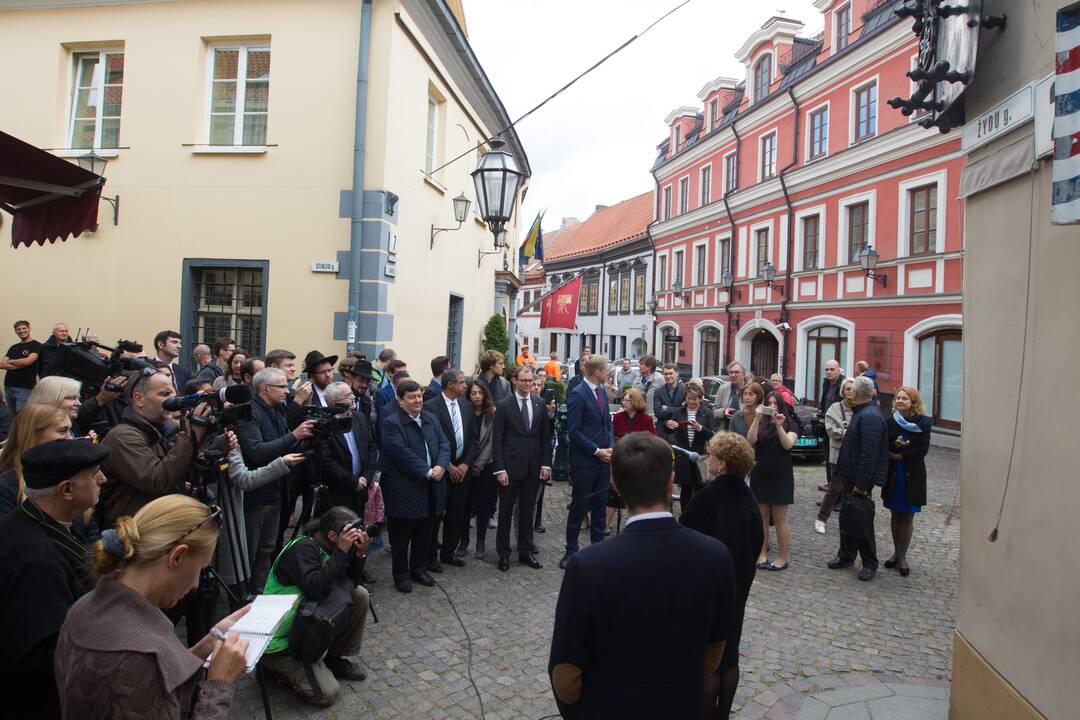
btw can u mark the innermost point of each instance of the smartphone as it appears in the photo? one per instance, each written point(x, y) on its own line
point(549, 396)
point(683, 423)
point(303, 377)
point(768, 410)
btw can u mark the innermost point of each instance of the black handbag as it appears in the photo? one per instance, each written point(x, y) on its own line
point(857, 517)
point(319, 622)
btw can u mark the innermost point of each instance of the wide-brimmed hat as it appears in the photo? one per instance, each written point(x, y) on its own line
point(315, 358)
point(359, 368)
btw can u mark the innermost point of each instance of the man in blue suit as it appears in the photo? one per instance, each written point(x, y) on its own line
point(642, 619)
point(588, 423)
point(415, 459)
point(168, 345)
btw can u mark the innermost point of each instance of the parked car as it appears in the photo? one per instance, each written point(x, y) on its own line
point(712, 385)
point(812, 444)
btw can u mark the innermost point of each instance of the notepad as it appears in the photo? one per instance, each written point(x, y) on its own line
point(259, 624)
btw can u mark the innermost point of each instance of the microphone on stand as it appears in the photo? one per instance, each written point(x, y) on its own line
point(693, 456)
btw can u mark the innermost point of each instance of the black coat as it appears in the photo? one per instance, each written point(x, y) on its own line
point(437, 407)
point(683, 581)
point(914, 458)
point(864, 459)
point(686, 472)
point(337, 471)
point(262, 440)
point(673, 399)
point(408, 453)
point(518, 450)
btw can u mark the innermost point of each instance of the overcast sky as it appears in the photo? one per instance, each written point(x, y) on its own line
point(594, 144)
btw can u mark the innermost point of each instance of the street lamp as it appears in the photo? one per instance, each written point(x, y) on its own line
point(729, 282)
point(769, 272)
point(461, 211)
point(651, 307)
point(868, 260)
point(497, 178)
point(96, 164)
point(500, 245)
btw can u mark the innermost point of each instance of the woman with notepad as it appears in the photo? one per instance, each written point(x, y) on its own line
point(117, 655)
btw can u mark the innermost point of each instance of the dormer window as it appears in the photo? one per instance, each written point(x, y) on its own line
point(675, 137)
point(843, 27)
point(714, 113)
point(762, 77)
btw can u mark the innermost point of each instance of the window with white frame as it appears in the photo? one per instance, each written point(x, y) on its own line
point(864, 109)
point(97, 90)
point(762, 77)
point(922, 222)
point(239, 95)
point(676, 136)
point(714, 112)
point(667, 203)
point(811, 227)
point(819, 132)
point(768, 156)
point(858, 227)
point(677, 269)
point(723, 249)
point(843, 27)
point(762, 239)
point(431, 149)
point(706, 185)
point(731, 173)
point(661, 273)
point(700, 270)
point(684, 195)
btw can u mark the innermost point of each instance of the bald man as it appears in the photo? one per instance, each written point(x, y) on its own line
point(49, 363)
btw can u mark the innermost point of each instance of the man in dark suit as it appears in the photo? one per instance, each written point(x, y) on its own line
point(588, 425)
point(439, 365)
point(454, 413)
point(642, 618)
point(414, 461)
point(521, 458)
point(348, 461)
point(387, 394)
point(168, 346)
point(668, 398)
point(320, 370)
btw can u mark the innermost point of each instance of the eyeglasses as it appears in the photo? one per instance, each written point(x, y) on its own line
point(279, 387)
point(214, 514)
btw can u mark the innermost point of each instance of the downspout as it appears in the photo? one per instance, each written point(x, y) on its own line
point(790, 237)
point(603, 305)
point(731, 245)
point(357, 206)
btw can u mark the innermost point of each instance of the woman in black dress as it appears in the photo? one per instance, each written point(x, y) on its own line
point(690, 428)
point(727, 510)
point(773, 477)
point(905, 485)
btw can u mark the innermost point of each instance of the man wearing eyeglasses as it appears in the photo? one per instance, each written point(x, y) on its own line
point(349, 461)
point(263, 440)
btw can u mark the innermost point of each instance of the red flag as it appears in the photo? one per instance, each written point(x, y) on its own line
point(558, 309)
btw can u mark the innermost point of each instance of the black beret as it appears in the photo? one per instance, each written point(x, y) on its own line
point(53, 462)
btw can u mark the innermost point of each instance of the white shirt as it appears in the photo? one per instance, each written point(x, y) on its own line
point(452, 407)
point(592, 389)
point(318, 391)
point(528, 404)
point(647, 516)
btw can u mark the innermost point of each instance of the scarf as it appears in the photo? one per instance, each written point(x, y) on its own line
point(904, 423)
point(71, 549)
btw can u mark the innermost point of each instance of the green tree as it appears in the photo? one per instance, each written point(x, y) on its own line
point(496, 337)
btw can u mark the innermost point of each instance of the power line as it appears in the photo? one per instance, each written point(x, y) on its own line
point(565, 87)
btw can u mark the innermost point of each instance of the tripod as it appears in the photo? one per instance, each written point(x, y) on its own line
point(319, 493)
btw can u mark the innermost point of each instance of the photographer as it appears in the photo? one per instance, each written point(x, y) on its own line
point(147, 461)
point(324, 565)
point(348, 460)
point(262, 441)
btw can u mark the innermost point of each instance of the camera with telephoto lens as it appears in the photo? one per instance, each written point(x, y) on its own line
point(80, 361)
point(229, 407)
point(327, 422)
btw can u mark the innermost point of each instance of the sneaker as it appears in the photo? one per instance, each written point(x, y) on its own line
point(819, 527)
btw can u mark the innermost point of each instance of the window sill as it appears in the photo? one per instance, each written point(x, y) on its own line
point(78, 153)
point(229, 149)
point(434, 183)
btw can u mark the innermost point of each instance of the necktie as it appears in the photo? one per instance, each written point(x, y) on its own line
point(599, 400)
point(525, 413)
point(455, 418)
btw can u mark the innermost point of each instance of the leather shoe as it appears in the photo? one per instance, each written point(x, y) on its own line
point(435, 566)
point(462, 551)
point(403, 585)
point(504, 562)
point(540, 529)
point(531, 561)
point(453, 560)
point(836, 563)
point(565, 560)
point(481, 550)
point(344, 668)
point(424, 579)
point(867, 574)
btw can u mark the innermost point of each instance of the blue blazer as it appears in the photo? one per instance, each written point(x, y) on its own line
point(588, 426)
point(407, 491)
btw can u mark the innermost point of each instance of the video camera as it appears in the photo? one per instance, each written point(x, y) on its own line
point(79, 360)
point(238, 411)
point(327, 422)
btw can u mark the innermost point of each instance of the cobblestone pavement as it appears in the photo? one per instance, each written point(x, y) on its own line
point(816, 644)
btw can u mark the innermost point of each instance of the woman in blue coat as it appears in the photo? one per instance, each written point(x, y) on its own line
point(905, 485)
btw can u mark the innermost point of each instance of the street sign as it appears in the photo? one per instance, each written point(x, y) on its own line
point(673, 338)
point(326, 266)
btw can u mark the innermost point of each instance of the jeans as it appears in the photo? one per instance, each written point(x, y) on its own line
point(589, 492)
point(16, 398)
point(261, 525)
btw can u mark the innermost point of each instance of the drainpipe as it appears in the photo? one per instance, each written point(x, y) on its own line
point(357, 210)
point(790, 236)
point(731, 245)
point(603, 305)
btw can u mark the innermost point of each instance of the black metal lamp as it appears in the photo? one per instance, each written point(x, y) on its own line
point(769, 273)
point(651, 307)
point(729, 283)
point(461, 212)
point(497, 178)
point(868, 260)
point(500, 246)
point(96, 164)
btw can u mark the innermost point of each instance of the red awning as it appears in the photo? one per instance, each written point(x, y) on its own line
point(49, 197)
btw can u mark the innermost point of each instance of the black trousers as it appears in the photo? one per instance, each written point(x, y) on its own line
point(485, 493)
point(456, 520)
point(540, 504)
point(410, 545)
point(523, 492)
point(857, 529)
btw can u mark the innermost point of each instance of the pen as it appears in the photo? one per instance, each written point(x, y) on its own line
point(217, 634)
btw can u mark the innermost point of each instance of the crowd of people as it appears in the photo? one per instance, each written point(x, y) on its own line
point(132, 499)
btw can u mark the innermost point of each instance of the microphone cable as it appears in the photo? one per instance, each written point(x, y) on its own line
point(468, 641)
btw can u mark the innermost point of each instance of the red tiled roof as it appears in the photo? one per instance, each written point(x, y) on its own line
point(606, 228)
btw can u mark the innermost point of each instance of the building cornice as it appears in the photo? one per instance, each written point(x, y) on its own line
point(773, 28)
point(683, 111)
point(720, 83)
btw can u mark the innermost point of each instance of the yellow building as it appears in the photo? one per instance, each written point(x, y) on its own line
point(240, 137)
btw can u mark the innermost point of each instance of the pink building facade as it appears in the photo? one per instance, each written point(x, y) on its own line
point(794, 172)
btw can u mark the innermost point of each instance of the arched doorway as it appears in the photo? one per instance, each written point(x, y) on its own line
point(638, 348)
point(823, 344)
point(670, 348)
point(708, 351)
point(941, 377)
point(764, 354)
